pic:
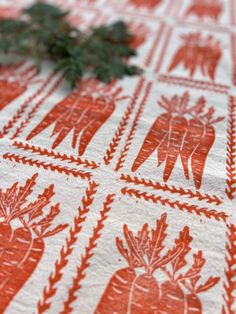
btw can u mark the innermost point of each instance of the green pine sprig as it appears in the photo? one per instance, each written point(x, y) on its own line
point(43, 33)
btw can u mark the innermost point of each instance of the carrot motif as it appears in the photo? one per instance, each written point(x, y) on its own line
point(193, 303)
point(144, 295)
point(19, 268)
point(172, 298)
point(172, 295)
point(97, 119)
point(138, 292)
point(162, 150)
point(116, 296)
point(200, 155)
point(193, 135)
point(13, 82)
point(191, 141)
point(9, 92)
point(153, 139)
point(214, 60)
point(157, 133)
point(198, 51)
point(179, 56)
point(179, 127)
point(202, 8)
point(80, 112)
point(21, 249)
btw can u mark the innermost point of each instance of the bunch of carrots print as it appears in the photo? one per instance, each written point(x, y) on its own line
point(182, 131)
point(135, 289)
point(14, 81)
point(22, 247)
point(198, 52)
point(202, 8)
point(83, 111)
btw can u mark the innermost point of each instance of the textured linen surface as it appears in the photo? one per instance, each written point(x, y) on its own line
point(121, 198)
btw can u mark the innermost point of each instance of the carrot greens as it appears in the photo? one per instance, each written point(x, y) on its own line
point(43, 31)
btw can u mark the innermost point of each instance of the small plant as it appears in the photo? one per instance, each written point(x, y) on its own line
point(43, 31)
point(22, 245)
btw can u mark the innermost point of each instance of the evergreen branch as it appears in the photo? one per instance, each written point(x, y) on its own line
point(43, 32)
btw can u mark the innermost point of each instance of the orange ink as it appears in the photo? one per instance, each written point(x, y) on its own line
point(205, 8)
point(84, 111)
point(14, 82)
point(198, 52)
point(21, 248)
point(174, 135)
point(129, 291)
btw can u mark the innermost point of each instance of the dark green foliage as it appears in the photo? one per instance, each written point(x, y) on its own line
point(42, 32)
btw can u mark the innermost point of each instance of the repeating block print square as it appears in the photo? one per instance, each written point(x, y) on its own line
point(173, 152)
point(198, 55)
point(157, 263)
point(210, 12)
point(41, 218)
point(147, 37)
point(70, 124)
point(21, 89)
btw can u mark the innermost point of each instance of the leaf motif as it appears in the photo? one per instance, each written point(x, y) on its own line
point(198, 107)
point(23, 193)
point(35, 208)
point(123, 251)
point(211, 282)
point(171, 254)
point(193, 273)
point(158, 236)
point(46, 221)
point(10, 193)
point(219, 119)
point(2, 207)
point(58, 229)
point(134, 249)
point(143, 238)
point(185, 239)
point(183, 102)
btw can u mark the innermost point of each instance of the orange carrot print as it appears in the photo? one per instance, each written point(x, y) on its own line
point(14, 82)
point(183, 132)
point(193, 135)
point(80, 112)
point(133, 291)
point(156, 135)
point(149, 4)
point(116, 296)
point(21, 248)
point(179, 125)
point(207, 140)
point(145, 291)
point(205, 8)
point(198, 52)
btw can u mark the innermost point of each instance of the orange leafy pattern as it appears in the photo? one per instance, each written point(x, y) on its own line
point(21, 248)
point(129, 291)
